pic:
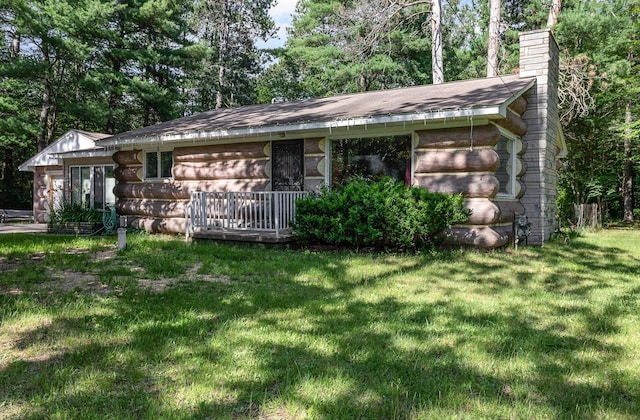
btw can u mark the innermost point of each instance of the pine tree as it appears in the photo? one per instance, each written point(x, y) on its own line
point(228, 31)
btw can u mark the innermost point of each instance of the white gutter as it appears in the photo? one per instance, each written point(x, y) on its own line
point(497, 111)
point(83, 154)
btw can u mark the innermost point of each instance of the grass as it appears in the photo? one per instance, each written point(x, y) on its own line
point(166, 329)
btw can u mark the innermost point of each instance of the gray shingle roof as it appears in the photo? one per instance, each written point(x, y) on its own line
point(467, 94)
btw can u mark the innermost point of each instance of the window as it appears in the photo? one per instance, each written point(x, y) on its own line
point(506, 173)
point(373, 158)
point(92, 186)
point(158, 164)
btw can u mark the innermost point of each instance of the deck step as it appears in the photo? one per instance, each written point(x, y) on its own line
point(243, 236)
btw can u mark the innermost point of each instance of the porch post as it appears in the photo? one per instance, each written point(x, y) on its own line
point(276, 196)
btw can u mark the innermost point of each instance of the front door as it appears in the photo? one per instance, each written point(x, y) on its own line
point(288, 165)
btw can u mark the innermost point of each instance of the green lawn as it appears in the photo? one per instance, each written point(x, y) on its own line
point(167, 329)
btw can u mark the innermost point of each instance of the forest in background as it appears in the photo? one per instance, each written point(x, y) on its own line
point(113, 66)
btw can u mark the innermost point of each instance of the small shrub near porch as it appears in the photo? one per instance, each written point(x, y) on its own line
point(385, 214)
point(75, 212)
point(74, 218)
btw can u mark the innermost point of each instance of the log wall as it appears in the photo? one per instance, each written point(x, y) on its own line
point(455, 160)
point(158, 206)
point(463, 160)
point(40, 195)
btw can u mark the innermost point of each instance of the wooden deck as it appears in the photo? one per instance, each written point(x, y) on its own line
point(243, 236)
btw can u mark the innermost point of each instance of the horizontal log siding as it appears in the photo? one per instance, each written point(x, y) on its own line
point(513, 123)
point(173, 225)
point(128, 157)
point(463, 160)
point(519, 106)
point(229, 169)
point(452, 160)
point(158, 206)
point(151, 190)
point(472, 186)
point(40, 196)
point(226, 185)
point(151, 208)
point(221, 152)
point(479, 237)
point(486, 135)
point(128, 173)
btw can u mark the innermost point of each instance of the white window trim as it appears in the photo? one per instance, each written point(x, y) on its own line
point(329, 142)
point(92, 193)
point(159, 168)
point(513, 157)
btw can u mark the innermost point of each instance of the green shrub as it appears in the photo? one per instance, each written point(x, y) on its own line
point(385, 214)
point(75, 212)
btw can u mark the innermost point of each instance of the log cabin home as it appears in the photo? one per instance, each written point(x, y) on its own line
point(495, 140)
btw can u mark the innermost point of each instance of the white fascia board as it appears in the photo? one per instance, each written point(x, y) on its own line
point(497, 111)
point(71, 141)
point(84, 154)
point(516, 95)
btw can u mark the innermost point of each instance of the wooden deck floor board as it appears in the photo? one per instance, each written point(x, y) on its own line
point(243, 236)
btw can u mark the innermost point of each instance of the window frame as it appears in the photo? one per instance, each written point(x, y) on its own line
point(408, 137)
point(91, 179)
point(159, 167)
point(512, 141)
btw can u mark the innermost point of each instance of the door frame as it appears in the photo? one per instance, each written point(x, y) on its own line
point(274, 145)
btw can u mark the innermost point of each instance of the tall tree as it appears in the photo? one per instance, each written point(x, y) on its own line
point(436, 40)
point(18, 120)
point(494, 38)
point(554, 12)
point(337, 47)
point(228, 31)
point(628, 166)
point(600, 41)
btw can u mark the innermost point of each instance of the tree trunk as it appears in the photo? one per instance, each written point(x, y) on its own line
point(15, 46)
point(627, 177)
point(222, 56)
point(554, 12)
point(437, 66)
point(494, 38)
point(44, 121)
point(114, 97)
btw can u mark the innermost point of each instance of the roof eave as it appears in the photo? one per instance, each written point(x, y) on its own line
point(32, 164)
point(496, 111)
point(83, 154)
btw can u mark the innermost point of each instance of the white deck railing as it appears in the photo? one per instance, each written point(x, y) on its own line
point(267, 211)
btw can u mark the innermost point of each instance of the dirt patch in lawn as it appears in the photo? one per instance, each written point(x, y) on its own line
point(191, 275)
point(66, 281)
point(13, 264)
point(72, 281)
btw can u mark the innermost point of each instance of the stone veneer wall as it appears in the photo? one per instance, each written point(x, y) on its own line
point(539, 57)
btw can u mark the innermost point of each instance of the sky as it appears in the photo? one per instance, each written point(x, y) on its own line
point(281, 14)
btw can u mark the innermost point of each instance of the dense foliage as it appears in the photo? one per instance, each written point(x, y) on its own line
point(385, 214)
point(109, 67)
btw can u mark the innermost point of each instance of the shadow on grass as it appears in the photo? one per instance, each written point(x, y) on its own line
point(319, 338)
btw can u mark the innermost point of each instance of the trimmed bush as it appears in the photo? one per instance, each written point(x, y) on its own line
point(385, 214)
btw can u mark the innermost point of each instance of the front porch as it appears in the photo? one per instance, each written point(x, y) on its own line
point(259, 216)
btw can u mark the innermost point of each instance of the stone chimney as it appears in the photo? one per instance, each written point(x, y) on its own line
point(539, 58)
